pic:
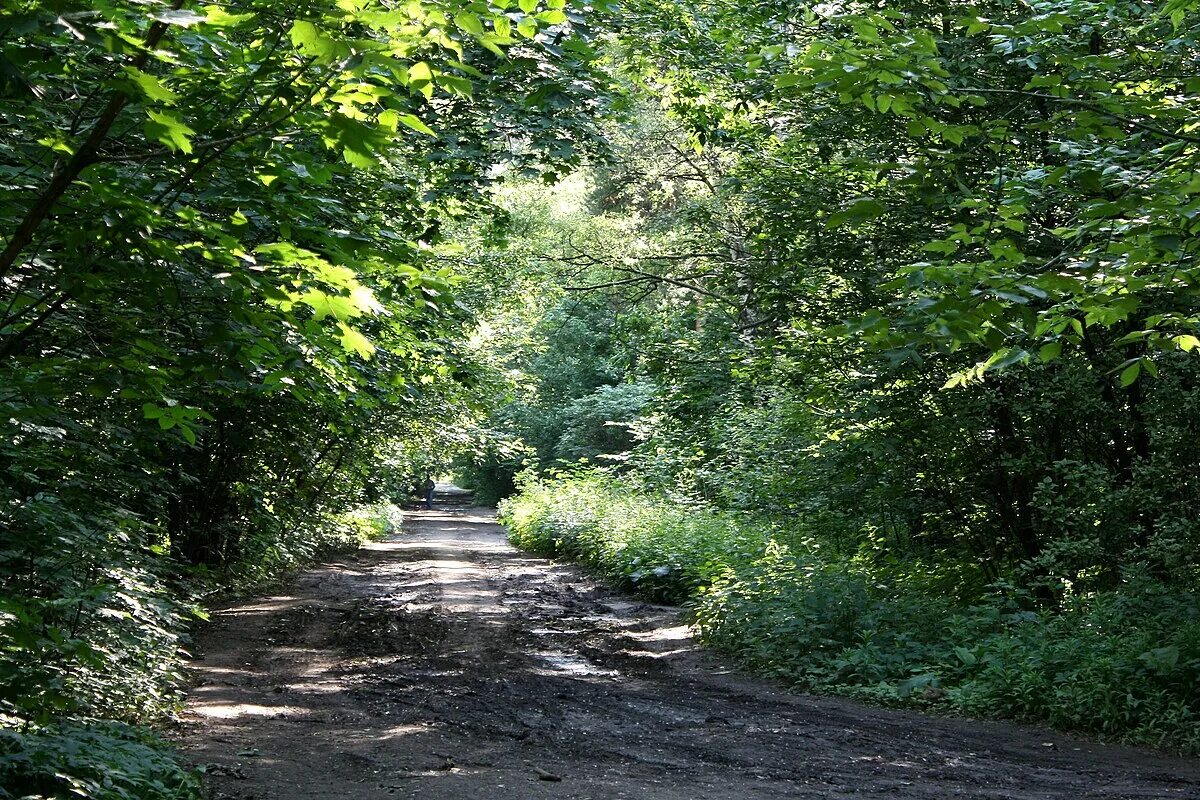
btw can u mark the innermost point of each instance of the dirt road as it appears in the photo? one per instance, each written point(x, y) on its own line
point(442, 663)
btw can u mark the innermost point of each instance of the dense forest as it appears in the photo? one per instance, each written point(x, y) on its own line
point(863, 329)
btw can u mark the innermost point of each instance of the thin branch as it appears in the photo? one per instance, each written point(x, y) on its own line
point(63, 177)
point(1088, 104)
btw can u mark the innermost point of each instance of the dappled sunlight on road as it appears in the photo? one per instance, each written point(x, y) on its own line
point(440, 663)
point(236, 710)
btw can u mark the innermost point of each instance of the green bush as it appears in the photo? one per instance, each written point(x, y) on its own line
point(275, 550)
point(95, 760)
point(489, 477)
point(664, 552)
point(1120, 665)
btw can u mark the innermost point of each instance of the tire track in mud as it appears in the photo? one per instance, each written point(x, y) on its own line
point(442, 663)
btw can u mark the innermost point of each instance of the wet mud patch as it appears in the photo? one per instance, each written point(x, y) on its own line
point(629, 659)
point(377, 628)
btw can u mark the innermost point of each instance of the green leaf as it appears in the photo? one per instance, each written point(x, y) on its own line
point(325, 305)
point(490, 43)
point(940, 246)
point(359, 158)
point(469, 22)
point(165, 128)
point(220, 18)
point(1005, 357)
point(354, 342)
point(1049, 352)
point(310, 41)
point(150, 86)
point(1187, 343)
point(457, 85)
point(861, 210)
point(420, 77)
point(1131, 373)
point(1161, 659)
point(414, 122)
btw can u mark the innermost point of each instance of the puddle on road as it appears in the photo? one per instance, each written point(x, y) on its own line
point(560, 663)
point(556, 631)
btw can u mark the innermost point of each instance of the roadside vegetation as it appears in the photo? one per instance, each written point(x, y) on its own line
point(782, 599)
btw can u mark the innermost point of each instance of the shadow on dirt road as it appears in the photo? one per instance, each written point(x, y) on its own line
point(442, 663)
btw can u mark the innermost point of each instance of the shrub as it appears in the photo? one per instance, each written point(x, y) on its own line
point(94, 759)
point(275, 550)
point(664, 552)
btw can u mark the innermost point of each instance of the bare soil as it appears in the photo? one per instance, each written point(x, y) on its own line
point(443, 663)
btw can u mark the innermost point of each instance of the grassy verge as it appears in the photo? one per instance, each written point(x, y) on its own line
point(1120, 665)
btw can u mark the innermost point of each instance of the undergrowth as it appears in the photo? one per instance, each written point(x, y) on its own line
point(1120, 665)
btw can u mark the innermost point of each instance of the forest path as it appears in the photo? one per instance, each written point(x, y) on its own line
point(443, 663)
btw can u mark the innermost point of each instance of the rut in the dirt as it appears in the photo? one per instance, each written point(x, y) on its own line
point(442, 663)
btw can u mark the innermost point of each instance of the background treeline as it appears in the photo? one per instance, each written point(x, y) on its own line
point(224, 334)
point(883, 319)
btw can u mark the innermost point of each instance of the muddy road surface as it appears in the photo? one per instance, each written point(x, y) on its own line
point(442, 663)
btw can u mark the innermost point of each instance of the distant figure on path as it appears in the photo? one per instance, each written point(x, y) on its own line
point(427, 492)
